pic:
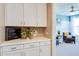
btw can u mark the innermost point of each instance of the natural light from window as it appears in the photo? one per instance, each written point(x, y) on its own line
point(76, 25)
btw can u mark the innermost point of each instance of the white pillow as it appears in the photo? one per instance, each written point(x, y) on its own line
point(69, 36)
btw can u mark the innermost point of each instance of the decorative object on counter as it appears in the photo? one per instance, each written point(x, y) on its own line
point(29, 33)
point(26, 33)
point(34, 32)
point(23, 33)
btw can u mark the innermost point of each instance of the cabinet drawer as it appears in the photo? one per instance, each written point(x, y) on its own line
point(12, 48)
point(44, 43)
point(31, 45)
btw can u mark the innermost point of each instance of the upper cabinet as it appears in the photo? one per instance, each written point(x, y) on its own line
point(13, 14)
point(35, 15)
point(28, 14)
point(42, 15)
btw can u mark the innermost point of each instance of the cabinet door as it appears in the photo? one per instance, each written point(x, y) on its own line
point(13, 14)
point(30, 14)
point(12, 53)
point(42, 15)
point(44, 50)
point(31, 51)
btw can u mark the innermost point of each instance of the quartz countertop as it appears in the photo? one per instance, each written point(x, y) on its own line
point(22, 41)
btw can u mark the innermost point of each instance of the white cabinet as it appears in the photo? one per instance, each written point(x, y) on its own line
point(31, 51)
point(2, 22)
point(13, 53)
point(35, 14)
point(13, 14)
point(30, 14)
point(42, 15)
point(39, 48)
point(12, 50)
point(44, 50)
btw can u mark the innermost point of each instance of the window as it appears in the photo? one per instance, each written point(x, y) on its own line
point(75, 22)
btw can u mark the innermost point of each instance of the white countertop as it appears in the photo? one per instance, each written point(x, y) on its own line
point(22, 41)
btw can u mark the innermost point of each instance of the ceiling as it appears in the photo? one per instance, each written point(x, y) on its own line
point(64, 8)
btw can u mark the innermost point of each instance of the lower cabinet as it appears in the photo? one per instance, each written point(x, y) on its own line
point(31, 51)
point(13, 53)
point(44, 50)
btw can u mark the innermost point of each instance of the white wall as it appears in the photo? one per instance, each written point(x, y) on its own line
point(2, 17)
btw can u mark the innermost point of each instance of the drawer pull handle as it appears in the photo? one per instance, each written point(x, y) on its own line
point(31, 45)
point(13, 48)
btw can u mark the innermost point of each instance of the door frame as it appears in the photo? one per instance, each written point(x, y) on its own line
point(53, 29)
